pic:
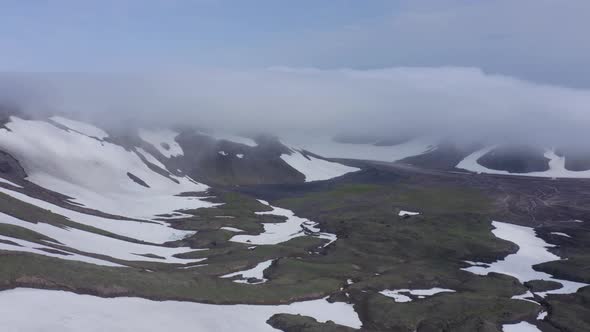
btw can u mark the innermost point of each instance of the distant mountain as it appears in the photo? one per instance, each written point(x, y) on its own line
point(78, 159)
point(77, 154)
point(447, 155)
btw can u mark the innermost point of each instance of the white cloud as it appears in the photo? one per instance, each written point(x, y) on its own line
point(463, 102)
point(540, 40)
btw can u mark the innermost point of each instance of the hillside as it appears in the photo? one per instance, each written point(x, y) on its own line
point(298, 240)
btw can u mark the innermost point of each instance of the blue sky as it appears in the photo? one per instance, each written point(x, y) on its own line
point(64, 35)
point(538, 40)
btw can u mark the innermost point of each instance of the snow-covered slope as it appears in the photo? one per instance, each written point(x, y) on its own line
point(150, 158)
point(92, 243)
point(154, 232)
point(81, 127)
point(315, 169)
point(164, 140)
point(221, 136)
point(74, 159)
point(13, 244)
point(95, 172)
point(63, 311)
point(256, 272)
point(556, 166)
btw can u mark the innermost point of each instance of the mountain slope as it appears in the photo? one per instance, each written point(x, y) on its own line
point(121, 214)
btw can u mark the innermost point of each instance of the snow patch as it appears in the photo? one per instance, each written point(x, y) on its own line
point(560, 234)
point(397, 295)
point(63, 311)
point(526, 296)
point(151, 159)
point(255, 272)
point(232, 138)
point(520, 327)
point(144, 231)
point(403, 213)
point(275, 233)
point(326, 147)
point(81, 127)
point(103, 245)
point(232, 229)
point(315, 169)
point(164, 140)
point(10, 183)
point(556, 166)
point(532, 251)
point(476, 263)
point(34, 248)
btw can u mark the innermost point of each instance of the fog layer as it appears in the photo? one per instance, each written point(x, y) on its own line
point(463, 103)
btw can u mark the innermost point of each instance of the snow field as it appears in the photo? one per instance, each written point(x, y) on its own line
point(397, 295)
point(532, 251)
point(556, 166)
point(69, 312)
point(275, 233)
point(315, 169)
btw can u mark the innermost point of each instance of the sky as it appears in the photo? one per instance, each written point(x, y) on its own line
point(537, 40)
point(511, 68)
point(138, 34)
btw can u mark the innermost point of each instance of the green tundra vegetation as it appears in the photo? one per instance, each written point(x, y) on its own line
point(376, 250)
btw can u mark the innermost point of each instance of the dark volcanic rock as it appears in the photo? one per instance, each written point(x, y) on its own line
point(261, 164)
point(7, 110)
point(253, 280)
point(393, 140)
point(387, 140)
point(445, 157)
point(10, 167)
point(542, 285)
point(575, 159)
point(137, 180)
point(515, 159)
point(10, 243)
point(55, 251)
point(355, 139)
point(298, 323)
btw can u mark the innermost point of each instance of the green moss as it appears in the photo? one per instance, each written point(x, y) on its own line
point(570, 312)
point(34, 214)
point(375, 247)
point(298, 323)
point(23, 233)
point(446, 311)
point(19, 269)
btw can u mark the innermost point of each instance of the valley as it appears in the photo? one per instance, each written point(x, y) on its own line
point(340, 245)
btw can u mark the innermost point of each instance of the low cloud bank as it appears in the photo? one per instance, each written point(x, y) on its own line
point(462, 103)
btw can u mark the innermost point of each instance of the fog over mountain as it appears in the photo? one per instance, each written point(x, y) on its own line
point(484, 70)
point(461, 103)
